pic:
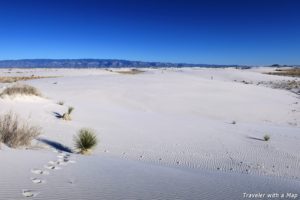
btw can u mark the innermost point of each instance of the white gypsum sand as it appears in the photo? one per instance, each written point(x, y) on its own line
point(159, 125)
point(101, 177)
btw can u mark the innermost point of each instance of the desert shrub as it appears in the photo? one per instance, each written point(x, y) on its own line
point(85, 140)
point(67, 115)
point(21, 90)
point(131, 71)
point(60, 103)
point(267, 137)
point(14, 132)
point(294, 72)
point(11, 79)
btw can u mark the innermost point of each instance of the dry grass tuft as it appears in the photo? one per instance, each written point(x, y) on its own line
point(15, 132)
point(131, 71)
point(19, 89)
point(12, 79)
point(67, 115)
point(291, 85)
point(294, 72)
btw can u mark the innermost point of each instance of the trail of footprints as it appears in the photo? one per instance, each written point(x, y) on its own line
point(63, 159)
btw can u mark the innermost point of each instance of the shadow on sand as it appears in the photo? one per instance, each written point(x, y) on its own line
point(55, 145)
point(254, 138)
point(57, 115)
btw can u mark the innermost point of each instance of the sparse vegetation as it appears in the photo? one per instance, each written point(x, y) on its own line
point(131, 71)
point(16, 133)
point(67, 115)
point(85, 140)
point(19, 89)
point(267, 137)
point(294, 72)
point(291, 85)
point(12, 79)
point(61, 103)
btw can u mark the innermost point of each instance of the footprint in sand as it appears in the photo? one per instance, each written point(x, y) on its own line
point(52, 162)
point(69, 161)
point(29, 193)
point(38, 171)
point(58, 162)
point(65, 160)
point(63, 156)
point(53, 167)
point(37, 181)
point(71, 181)
point(61, 163)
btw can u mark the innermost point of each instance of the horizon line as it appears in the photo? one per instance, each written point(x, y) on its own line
point(166, 62)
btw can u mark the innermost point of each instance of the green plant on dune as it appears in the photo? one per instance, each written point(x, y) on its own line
point(70, 110)
point(85, 140)
point(267, 137)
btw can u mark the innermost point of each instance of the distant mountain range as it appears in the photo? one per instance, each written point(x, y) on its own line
point(94, 63)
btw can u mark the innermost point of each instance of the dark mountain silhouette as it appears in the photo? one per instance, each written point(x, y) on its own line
point(97, 63)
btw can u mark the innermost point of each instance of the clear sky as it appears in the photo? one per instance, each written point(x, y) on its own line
point(211, 32)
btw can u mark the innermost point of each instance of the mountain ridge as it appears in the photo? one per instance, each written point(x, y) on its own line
point(95, 63)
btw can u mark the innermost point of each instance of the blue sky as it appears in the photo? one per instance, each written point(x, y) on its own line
point(255, 32)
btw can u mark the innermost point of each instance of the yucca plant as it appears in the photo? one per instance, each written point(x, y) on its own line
point(267, 137)
point(67, 115)
point(85, 140)
point(70, 110)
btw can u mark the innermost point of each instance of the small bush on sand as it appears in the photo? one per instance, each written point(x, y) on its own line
point(15, 132)
point(131, 71)
point(11, 79)
point(85, 140)
point(267, 137)
point(67, 115)
point(293, 72)
point(61, 103)
point(19, 89)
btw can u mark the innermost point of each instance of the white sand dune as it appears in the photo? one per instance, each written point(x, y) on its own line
point(164, 134)
point(101, 177)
